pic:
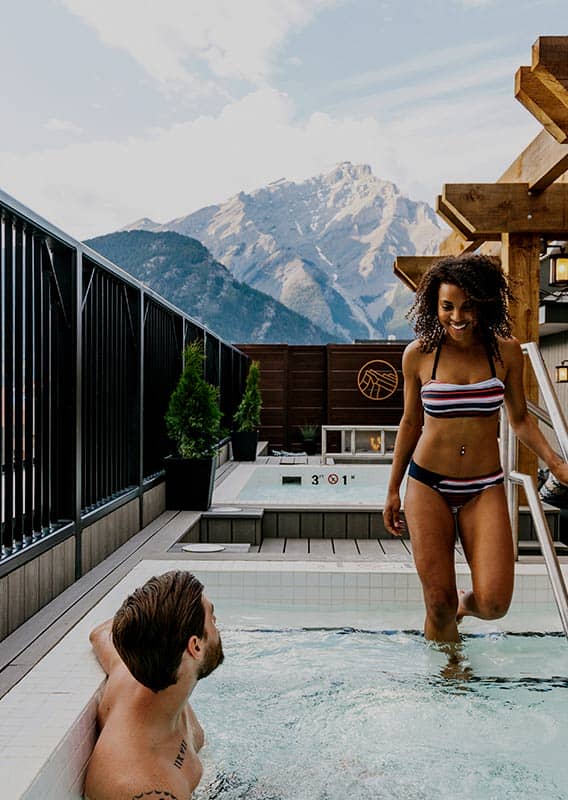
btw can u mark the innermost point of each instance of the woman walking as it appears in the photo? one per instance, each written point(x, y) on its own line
point(458, 372)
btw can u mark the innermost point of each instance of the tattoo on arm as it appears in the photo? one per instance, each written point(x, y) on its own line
point(157, 794)
point(180, 758)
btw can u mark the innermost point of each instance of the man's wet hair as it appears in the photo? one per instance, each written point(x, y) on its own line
point(482, 279)
point(152, 627)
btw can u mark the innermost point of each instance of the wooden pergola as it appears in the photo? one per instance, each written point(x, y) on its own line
point(528, 203)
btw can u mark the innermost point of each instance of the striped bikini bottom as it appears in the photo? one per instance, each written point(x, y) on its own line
point(455, 491)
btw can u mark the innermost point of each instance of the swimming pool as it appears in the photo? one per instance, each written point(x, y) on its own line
point(48, 720)
point(306, 485)
point(334, 712)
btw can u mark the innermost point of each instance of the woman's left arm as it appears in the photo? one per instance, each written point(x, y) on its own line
point(522, 422)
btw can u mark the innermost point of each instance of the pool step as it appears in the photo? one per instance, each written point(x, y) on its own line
point(530, 548)
point(224, 524)
point(230, 524)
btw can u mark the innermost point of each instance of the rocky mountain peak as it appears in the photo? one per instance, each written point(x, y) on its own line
point(324, 246)
point(142, 224)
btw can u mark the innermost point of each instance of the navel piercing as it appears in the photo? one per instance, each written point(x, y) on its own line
point(462, 450)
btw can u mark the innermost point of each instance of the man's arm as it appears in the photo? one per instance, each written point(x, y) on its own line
point(101, 641)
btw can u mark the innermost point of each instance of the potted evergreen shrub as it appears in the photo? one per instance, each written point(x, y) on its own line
point(193, 422)
point(244, 438)
point(309, 434)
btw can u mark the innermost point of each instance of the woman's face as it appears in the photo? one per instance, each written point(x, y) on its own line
point(456, 312)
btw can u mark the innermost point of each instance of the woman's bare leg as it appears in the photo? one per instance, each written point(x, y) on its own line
point(432, 533)
point(485, 533)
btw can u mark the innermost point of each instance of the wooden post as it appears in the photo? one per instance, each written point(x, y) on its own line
point(520, 258)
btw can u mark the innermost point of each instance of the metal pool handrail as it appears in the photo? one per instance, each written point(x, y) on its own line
point(546, 544)
point(557, 419)
point(554, 418)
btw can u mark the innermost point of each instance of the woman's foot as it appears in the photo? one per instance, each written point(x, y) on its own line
point(463, 597)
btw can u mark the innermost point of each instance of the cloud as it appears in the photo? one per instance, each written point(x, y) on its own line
point(63, 126)
point(426, 89)
point(236, 40)
point(474, 3)
point(91, 188)
point(422, 64)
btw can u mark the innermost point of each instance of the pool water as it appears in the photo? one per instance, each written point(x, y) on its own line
point(336, 713)
point(316, 484)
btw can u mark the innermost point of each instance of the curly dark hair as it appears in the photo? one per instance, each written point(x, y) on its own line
point(483, 281)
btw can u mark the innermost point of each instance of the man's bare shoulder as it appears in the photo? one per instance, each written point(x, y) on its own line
point(132, 776)
point(133, 759)
point(131, 793)
point(156, 794)
point(117, 693)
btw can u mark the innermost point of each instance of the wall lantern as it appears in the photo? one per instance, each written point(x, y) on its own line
point(562, 372)
point(558, 270)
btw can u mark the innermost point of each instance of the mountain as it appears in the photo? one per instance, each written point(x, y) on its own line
point(184, 272)
point(326, 244)
point(143, 224)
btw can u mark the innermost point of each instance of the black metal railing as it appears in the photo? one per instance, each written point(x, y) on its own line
point(110, 377)
point(88, 359)
point(163, 345)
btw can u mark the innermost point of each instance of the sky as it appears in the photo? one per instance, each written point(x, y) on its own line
point(114, 110)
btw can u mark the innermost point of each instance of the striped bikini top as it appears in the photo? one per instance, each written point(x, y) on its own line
point(448, 400)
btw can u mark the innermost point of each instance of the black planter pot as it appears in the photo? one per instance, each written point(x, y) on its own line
point(244, 444)
point(310, 446)
point(189, 482)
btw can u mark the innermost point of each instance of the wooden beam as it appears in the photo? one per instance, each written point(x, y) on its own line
point(544, 160)
point(410, 269)
point(491, 249)
point(455, 244)
point(539, 165)
point(550, 61)
point(549, 108)
point(488, 209)
point(448, 215)
point(461, 241)
point(521, 264)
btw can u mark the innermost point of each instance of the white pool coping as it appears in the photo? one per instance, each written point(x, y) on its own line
point(47, 721)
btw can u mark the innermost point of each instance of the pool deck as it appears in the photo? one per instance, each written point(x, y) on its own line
point(160, 540)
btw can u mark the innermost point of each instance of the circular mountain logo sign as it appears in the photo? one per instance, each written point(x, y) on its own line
point(377, 380)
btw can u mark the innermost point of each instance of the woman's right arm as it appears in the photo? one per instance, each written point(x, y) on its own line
point(407, 437)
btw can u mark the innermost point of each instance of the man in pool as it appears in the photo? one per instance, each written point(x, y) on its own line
point(161, 641)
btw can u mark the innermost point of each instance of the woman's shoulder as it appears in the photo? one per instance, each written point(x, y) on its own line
point(415, 347)
point(510, 352)
point(509, 348)
point(413, 355)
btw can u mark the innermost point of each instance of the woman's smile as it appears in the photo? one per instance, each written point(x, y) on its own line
point(456, 311)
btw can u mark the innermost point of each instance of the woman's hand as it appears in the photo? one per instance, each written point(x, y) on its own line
point(391, 515)
point(560, 471)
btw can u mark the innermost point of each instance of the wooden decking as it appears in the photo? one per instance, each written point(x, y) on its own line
point(376, 550)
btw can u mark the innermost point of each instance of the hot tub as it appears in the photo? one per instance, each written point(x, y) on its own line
point(337, 486)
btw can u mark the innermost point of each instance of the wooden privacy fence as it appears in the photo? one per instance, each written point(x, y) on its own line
point(334, 384)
